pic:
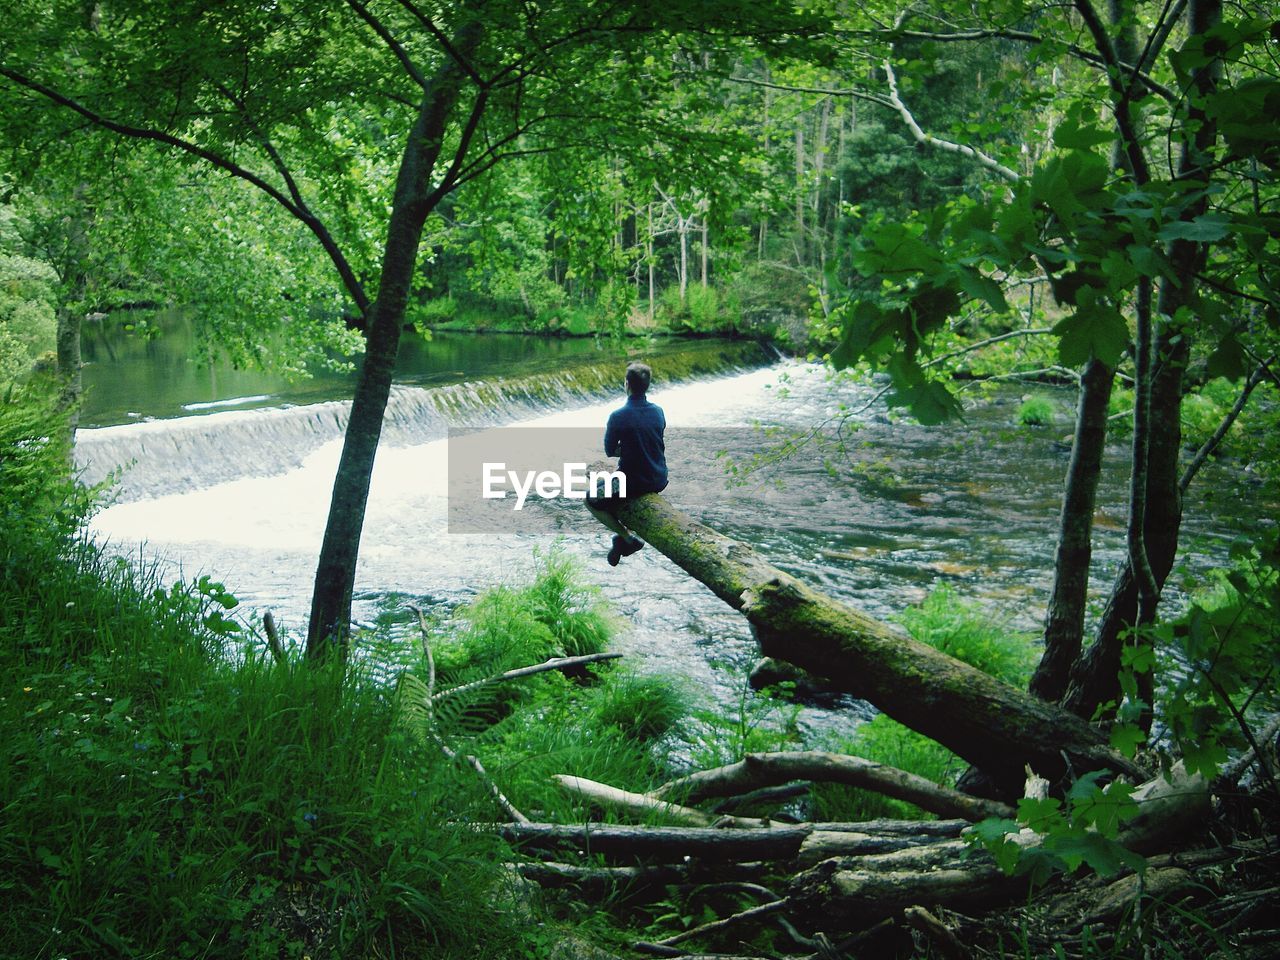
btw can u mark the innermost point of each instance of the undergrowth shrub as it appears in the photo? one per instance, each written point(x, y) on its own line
point(602, 723)
point(1036, 412)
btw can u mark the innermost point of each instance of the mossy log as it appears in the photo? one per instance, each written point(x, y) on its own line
point(994, 726)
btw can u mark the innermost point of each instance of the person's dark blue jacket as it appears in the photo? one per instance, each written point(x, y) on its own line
point(634, 434)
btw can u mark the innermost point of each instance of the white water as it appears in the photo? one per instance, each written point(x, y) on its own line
point(243, 495)
point(261, 534)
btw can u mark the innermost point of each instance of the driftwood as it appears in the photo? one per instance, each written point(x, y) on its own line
point(991, 724)
point(646, 804)
point(757, 770)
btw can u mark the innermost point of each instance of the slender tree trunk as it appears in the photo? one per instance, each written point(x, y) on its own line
point(764, 220)
point(704, 251)
point(800, 196)
point(682, 225)
point(1094, 679)
point(413, 202)
point(648, 256)
point(1064, 619)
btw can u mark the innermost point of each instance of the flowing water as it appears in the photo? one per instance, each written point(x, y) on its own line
point(240, 491)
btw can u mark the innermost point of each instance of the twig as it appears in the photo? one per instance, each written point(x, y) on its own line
point(938, 933)
point(1237, 767)
point(507, 806)
point(663, 948)
point(429, 705)
point(1031, 332)
point(920, 136)
point(273, 639)
point(1210, 445)
point(555, 663)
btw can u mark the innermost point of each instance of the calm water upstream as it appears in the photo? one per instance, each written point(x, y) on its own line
point(242, 493)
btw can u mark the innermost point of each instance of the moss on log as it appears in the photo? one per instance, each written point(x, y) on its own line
point(989, 723)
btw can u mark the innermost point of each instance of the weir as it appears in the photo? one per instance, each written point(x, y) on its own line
point(157, 457)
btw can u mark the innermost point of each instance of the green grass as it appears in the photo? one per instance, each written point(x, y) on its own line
point(168, 792)
point(1036, 412)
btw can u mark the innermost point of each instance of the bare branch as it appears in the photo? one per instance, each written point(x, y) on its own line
point(1135, 70)
point(445, 43)
point(392, 44)
point(273, 639)
point(646, 805)
point(1030, 332)
point(766, 769)
point(921, 137)
point(345, 271)
point(1210, 445)
point(663, 948)
point(555, 663)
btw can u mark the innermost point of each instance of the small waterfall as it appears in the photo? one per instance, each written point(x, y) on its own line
point(165, 456)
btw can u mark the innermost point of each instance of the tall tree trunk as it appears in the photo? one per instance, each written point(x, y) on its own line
point(764, 220)
point(413, 202)
point(648, 256)
point(1064, 618)
point(800, 195)
point(1094, 679)
point(704, 251)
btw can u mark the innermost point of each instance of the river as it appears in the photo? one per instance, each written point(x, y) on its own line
point(240, 490)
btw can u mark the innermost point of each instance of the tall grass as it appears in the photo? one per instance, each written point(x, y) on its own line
point(167, 792)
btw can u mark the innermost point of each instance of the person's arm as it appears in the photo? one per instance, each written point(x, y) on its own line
point(612, 437)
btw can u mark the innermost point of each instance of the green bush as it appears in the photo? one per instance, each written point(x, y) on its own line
point(1036, 412)
point(968, 631)
point(644, 707)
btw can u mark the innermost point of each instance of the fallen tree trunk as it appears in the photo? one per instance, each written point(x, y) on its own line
point(757, 770)
point(995, 726)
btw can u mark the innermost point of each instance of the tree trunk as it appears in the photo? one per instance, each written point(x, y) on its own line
point(1095, 677)
point(1064, 619)
point(413, 202)
point(989, 723)
point(800, 192)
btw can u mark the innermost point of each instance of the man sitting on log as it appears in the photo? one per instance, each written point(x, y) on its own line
point(634, 434)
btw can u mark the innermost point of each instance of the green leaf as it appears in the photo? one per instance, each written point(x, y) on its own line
point(1203, 229)
point(978, 287)
point(1126, 738)
point(1227, 360)
point(1070, 134)
point(1041, 814)
point(1096, 329)
point(928, 400)
point(1103, 855)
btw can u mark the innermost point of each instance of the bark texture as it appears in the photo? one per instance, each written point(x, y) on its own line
point(1064, 618)
point(413, 202)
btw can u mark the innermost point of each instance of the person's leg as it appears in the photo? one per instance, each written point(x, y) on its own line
point(609, 520)
point(625, 542)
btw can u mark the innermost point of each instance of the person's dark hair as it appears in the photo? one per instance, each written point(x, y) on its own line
point(638, 377)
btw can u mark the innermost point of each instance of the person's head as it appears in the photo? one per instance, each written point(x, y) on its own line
point(638, 377)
